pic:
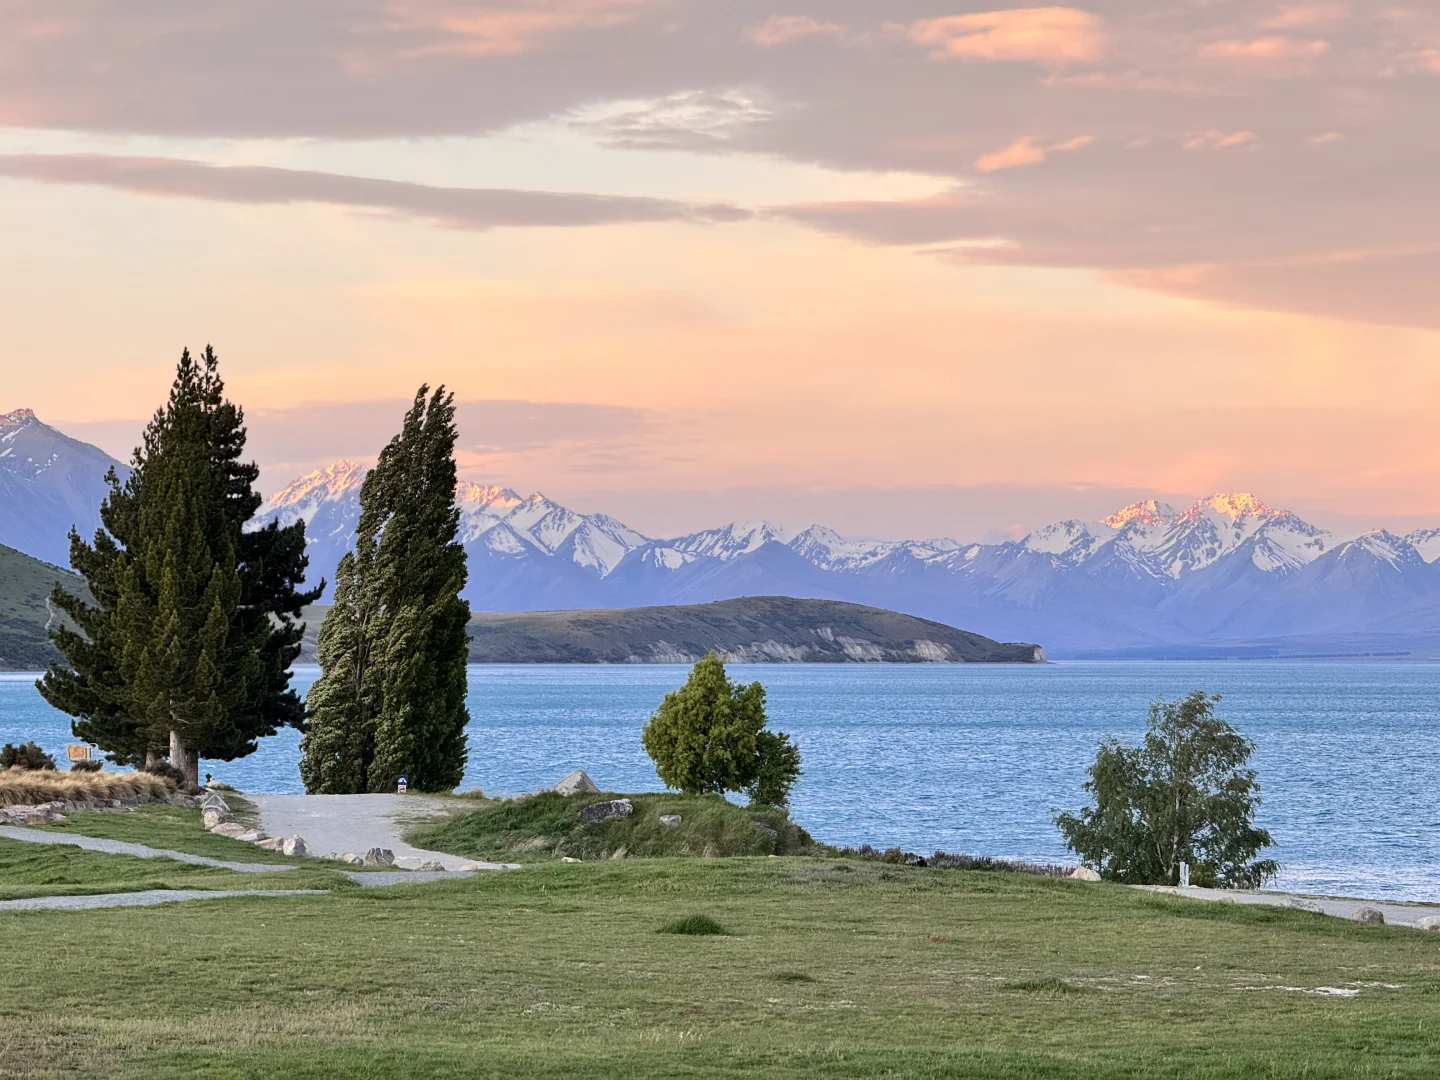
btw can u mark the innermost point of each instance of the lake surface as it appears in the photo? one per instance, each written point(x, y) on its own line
point(971, 759)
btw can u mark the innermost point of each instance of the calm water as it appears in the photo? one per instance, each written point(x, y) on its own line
point(973, 759)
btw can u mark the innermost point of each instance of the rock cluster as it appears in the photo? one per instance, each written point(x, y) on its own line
point(49, 813)
point(613, 810)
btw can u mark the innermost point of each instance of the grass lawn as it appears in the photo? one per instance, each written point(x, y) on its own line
point(821, 967)
point(52, 870)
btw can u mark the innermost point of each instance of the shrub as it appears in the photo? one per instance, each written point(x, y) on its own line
point(25, 756)
point(1183, 796)
point(695, 926)
point(166, 771)
point(27, 787)
point(709, 737)
point(91, 765)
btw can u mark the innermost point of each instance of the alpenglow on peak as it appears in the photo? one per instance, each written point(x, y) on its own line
point(1147, 512)
point(1235, 505)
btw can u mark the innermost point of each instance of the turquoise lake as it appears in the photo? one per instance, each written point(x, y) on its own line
point(972, 759)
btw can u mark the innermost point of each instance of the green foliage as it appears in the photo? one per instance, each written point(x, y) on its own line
point(547, 826)
point(86, 765)
point(390, 700)
point(25, 756)
point(694, 926)
point(708, 737)
point(1183, 795)
point(188, 644)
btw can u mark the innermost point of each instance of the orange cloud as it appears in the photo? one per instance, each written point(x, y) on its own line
point(1019, 153)
point(1221, 140)
point(1423, 61)
point(1288, 18)
point(1048, 35)
point(783, 29)
point(1324, 138)
point(1271, 48)
point(1026, 151)
point(512, 30)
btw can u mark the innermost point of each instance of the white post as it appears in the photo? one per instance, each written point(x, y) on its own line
point(1184, 875)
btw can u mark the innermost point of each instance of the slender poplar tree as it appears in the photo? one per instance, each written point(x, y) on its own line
point(188, 646)
point(390, 700)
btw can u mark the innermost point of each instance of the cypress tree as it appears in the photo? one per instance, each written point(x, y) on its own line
point(188, 647)
point(390, 700)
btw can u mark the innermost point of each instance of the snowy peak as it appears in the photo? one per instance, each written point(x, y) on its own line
point(1073, 542)
point(330, 484)
point(490, 497)
point(1426, 542)
point(1235, 506)
point(18, 418)
point(1385, 546)
point(730, 541)
point(1146, 513)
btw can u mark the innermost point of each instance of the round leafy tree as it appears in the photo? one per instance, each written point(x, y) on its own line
point(1184, 795)
point(709, 737)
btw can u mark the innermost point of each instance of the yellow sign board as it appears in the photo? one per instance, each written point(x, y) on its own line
point(77, 753)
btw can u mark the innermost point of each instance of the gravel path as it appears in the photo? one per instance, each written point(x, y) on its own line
point(145, 898)
point(140, 851)
point(355, 823)
point(1396, 914)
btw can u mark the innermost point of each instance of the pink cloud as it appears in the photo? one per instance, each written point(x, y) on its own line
point(1324, 138)
point(1026, 151)
point(783, 29)
point(1421, 61)
point(524, 26)
point(1018, 154)
point(1048, 35)
point(1270, 48)
point(1289, 18)
point(1221, 140)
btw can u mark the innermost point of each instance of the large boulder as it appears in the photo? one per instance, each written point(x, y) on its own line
point(433, 866)
point(379, 856)
point(212, 817)
point(232, 829)
point(295, 845)
point(670, 821)
point(1370, 915)
point(1084, 873)
point(252, 836)
point(271, 843)
point(1431, 923)
point(613, 810)
point(576, 783)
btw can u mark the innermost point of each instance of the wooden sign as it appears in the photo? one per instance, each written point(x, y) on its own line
point(77, 753)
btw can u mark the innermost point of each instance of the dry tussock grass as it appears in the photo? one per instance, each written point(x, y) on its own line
point(27, 787)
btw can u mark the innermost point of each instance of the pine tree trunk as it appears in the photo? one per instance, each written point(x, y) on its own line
point(151, 759)
point(188, 762)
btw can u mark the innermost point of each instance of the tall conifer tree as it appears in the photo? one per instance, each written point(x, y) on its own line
point(188, 647)
point(390, 700)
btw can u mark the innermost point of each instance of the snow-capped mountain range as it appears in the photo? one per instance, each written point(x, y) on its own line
point(1226, 567)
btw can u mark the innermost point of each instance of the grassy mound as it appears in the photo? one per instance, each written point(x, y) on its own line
point(29, 787)
point(695, 926)
point(548, 826)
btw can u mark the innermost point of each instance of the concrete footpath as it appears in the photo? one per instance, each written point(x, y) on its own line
point(335, 824)
point(139, 851)
point(1396, 912)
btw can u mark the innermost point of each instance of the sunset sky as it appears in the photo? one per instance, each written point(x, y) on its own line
point(901, 267)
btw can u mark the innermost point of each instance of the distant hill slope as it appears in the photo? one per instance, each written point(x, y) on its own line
point(759, 629)
point(25, 585)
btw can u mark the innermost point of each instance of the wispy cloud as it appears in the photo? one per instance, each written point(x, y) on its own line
point(456, 208)
point(1044, 35)
point(1294, 17)
point(1027, 151)
point(1220, 140)
point(783, 29)
point(475, 30)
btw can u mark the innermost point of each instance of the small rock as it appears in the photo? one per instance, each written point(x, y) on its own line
point(467, 867)
point(1301, 904)
point(433, 866)
point(295, 845)
point(211, 801)
point(272, 843)
point(379, 856)
point(353, 859)
point(1432, 924)
point(766, 830)
point(1370, 915)
point(576, 783)
point(211, 818)
point(613, 810)
point(232, 829)
point(670, 821)
point(1084, 873)
point(567, 858)
point(252, 836)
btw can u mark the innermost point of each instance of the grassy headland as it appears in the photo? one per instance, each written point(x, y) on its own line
point(548, 826)
point(25, 584)
point(829, 968)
